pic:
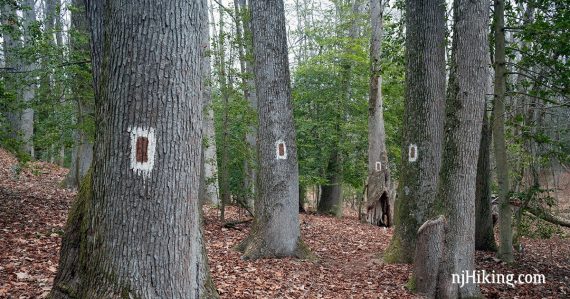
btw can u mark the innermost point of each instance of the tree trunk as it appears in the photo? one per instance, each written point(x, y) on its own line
point(465, 107)
point(423, 119)
point(330, 201)
point(82, 153)
point(141, 236)
point(275, 232)
point(484, 235)
point(28, 94)
point(427, 258)
point(29, 89)
point(498, 127)
point(224, 161)
point(210, 177)
point(243, 17)
point(379, 193)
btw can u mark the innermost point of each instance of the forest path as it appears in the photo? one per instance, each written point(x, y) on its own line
point(33, 211)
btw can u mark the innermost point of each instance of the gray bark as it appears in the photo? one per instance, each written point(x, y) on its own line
point(429, 251)
point(275, 232)
point(141, 236)
point(210, 159)
point(465, 106)
point(498, 127)
point(379, 192)
point(484, 235)
point(423, 118)
point(29, 89)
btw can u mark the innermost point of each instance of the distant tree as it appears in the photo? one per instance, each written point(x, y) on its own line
point(330, 201)
point(140, 234)
point(82, 95)
point(275, 232)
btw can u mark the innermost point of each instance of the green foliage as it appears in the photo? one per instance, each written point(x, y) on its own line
point(55, 65)
point(536, 228)
point(327, 119)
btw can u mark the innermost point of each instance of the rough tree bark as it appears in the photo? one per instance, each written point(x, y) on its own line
point(379, 192)
point(484, 235)
point(498, 128)
point(140, 233)
point(464, 115)
point(275, 232)
point(429, 251)
point(423, 119)
point(82, 153)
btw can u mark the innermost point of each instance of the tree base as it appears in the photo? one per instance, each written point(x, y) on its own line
point(256, 248)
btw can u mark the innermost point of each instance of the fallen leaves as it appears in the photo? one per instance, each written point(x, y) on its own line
point(33, 210)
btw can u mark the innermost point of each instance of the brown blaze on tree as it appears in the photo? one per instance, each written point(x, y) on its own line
point(135, 230)
point(275, 231)
point(423, 124)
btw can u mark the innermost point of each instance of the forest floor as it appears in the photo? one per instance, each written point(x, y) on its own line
point(33, 211)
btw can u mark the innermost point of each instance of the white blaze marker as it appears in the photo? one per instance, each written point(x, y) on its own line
point(280, 150)
point(412, 153)
point(143, 149)
point(378, 166)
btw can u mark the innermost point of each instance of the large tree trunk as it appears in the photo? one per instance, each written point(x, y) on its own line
point(82, 154)
point(464, 114)
point(140, 236)
point(275, 232)
point(498, 125)
point(423, 119)
point(484, 235)
point(379, 193)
